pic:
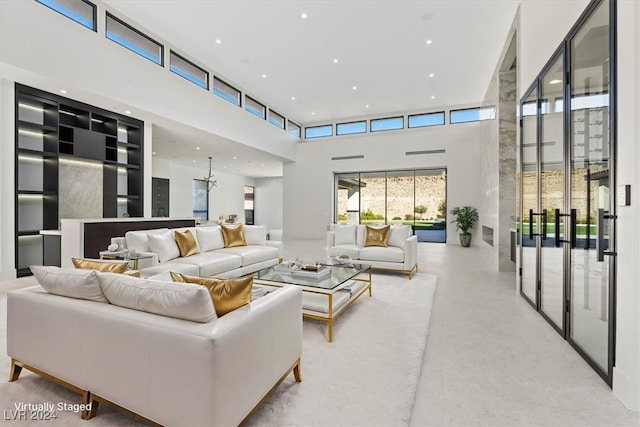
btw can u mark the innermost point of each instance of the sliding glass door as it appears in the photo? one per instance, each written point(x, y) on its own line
point(414, 197)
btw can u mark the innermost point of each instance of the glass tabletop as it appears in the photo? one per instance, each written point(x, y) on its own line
point(326, 277)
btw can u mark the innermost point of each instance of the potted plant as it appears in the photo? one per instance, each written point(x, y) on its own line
point(465, 218)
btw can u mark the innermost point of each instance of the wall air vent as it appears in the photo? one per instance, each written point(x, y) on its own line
point(415, 153)
point(358, 156)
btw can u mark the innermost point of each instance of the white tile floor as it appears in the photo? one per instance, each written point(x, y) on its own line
point(491, 360)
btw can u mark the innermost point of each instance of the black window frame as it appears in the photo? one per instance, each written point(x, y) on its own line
point(252, 99)
point(207, 74)
point(444, 119)
point(140, 33)
point(284, 119)
point(94, 14)
point(350, 123)
point(224, 82)
point(299, 135)
point(483, 107)
point(371, 122)
point(315, 127)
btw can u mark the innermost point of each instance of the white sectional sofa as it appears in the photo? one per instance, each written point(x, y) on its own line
point(172, 371)
point(214, 258)
point(400, 254)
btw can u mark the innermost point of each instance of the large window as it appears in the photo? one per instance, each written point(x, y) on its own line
point(200, 199)
point(415, 197)
point(189, 71)
point(133, 40)
point(83, 12)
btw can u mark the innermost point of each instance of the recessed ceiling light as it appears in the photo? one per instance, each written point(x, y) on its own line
point(354, 87)
point(303, 16)
point(218, 41)
point(433, 97)
point(63, 91)
point(197, 148)
point(194, 161)
point(428, 41)
point(313, 113)
point(235, 158)
point(431, 75)
point(555, 82)
point(264, 76)
point(335, 60)
point(154, 153)
point(128, 112)
point(366, 106)
point(293, 98)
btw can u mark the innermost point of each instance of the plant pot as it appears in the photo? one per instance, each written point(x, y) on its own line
point(465, 239)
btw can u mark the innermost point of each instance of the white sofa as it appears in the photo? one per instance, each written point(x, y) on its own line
point(213, 260)
point(401, 253)
point(168, 370)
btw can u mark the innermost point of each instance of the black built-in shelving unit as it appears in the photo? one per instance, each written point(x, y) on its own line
point(49, 127)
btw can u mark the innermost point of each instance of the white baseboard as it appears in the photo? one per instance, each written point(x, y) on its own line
point(626, 389)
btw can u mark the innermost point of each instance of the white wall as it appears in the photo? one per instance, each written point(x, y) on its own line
point(543, 26)
point(7, 180)
point(268, 202)
point(626, 374)
point(43, 48)
point(225, 199)
point(308, 183)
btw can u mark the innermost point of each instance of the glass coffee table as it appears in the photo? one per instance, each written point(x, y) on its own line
point(326, 293)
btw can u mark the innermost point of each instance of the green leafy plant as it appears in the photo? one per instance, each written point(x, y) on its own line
point(465, 218)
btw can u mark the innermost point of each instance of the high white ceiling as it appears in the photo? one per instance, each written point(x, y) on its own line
point(380, 46)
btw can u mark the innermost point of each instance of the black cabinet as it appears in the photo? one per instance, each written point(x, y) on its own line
point(51, 129)
point(160, 197)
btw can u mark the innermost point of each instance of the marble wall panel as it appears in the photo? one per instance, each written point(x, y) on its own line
point(80, 189)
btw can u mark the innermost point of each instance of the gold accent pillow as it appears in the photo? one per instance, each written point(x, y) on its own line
point(377, 236)
point(226, 294)
point(233, 236)
point(186, 243)
point(100, 265)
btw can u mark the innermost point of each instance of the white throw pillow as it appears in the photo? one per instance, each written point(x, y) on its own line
point(345, 234)
point(138, 240)
point(164, 245)
point(69, 282)
point(188, 302)
point(210, 238)
point(255, 234)
point(398, 234)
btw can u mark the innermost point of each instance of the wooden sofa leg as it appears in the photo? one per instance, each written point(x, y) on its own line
point(88, 401)
point(15, 371)
point(296, 372)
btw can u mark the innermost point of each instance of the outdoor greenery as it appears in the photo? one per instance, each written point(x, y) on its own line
point(368, 214)
point(464, 217)
point(442, 208)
